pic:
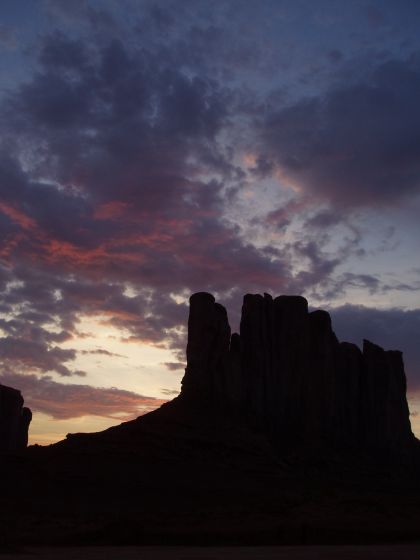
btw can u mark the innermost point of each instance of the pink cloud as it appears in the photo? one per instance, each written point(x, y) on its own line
point(73, 401)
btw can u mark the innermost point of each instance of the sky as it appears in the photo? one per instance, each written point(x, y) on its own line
point(150, 149)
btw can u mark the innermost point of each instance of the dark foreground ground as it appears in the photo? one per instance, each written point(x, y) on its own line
point(166, 481)
point(410, 552)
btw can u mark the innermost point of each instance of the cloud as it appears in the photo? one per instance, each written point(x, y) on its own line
point(170, 392)
point(36, 355)
point(126, 146)
point(112, 175)
point(118, 156)
point(40, 310)
point(102, 352)
point(73, 401)
point(355, 145)
point(174, 366)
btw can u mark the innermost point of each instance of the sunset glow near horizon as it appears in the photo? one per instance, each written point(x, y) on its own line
point(150, 149)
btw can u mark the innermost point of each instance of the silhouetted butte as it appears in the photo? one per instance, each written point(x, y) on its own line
point(288, 375)
point(281, 434)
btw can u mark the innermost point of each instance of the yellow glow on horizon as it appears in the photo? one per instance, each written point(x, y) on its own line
point(45, 430)
point(112, 359)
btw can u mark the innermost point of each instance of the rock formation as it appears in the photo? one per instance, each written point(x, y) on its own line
point(14, 420)
point(281, 435)
point(288, 375)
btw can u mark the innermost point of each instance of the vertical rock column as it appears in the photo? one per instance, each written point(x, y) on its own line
point(25, 420)
point(348, 428)
point(207, 350)
point(321, 380)
point(274, 348)
point(399, 425)
point(385, 414)
point(256, 355)
point(290, 367)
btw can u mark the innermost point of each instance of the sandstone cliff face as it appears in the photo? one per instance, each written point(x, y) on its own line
point(287, 374)
point(14, 420)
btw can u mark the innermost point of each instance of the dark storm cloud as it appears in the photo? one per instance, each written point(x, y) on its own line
point(356, 145)
point(338, 286)
point(61, 52)
point(324, 219)
point(393, 329)
point(120, 143)
point(317, 251)
point(81, 13)
point(320, 266)
point(36, 356)
point(174, 366)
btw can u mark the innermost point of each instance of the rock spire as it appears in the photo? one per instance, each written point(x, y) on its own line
point(14, 420)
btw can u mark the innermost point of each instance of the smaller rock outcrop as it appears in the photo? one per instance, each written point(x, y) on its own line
point(14, 420)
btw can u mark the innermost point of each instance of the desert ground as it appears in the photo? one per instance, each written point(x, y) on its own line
point(371, 552)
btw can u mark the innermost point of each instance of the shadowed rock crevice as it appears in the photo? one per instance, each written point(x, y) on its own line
point(287, 374)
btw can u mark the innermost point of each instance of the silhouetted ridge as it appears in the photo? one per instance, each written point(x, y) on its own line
point(14, 420)
point(288, 374)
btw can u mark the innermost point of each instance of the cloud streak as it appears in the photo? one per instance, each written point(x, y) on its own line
point(62, 402)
